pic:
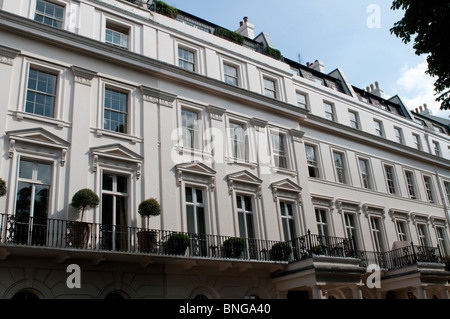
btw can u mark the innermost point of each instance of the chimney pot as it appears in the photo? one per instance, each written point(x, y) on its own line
point(371, 87)
point(425, 106)
point(245, 19)
point(241, 23)
point(376, 84)
point(420, 108)
point(417, 110)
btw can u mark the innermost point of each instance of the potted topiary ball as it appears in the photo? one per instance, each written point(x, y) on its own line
point(147, 238)
point(83, 200)
point(233, 247)
point(280, 251)
point(177, 244)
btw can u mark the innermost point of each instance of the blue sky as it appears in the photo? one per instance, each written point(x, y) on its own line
point(352, 35)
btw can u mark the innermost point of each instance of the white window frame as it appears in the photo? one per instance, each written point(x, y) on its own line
point(422, 234)
point(132, 119)
point(332, 113)
point(240, 68)
point(379, 132)
point(323, 226)
point(442, 241)
point(193, 49)
point(398, 132)
point(377, 234)
point(354, 123)
point(121, 23)
point(446, 185)
point(417, 141)
point(287, 151)
point(411, 184)
point(344, 168)
point(58, 111)
point(317, 167)
point(436, 148)
point(120, 29)
point(62, 3)
point(368, 174)
point(245, 126)
point(287, 218)
point(402, 234)
point(394, 179)
point(430, 194)
point(304, 106)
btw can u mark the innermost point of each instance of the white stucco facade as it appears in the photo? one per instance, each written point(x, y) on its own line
point(120, 125)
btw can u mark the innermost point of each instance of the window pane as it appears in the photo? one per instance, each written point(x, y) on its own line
point(188, 195)
point(122, 182)
point(26, 169)
point(44, 173)
point(23, 199)
point(107, 182)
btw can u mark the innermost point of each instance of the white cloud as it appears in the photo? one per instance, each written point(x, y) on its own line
point(415, 88)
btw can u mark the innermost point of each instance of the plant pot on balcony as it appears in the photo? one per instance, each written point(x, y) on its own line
point(147, 241)
point(177, 244)
point(280, 252)
point(80, 234)
point(233, 247)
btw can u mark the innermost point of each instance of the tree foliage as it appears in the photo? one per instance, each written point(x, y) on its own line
point(427, 24)
point(84, 199)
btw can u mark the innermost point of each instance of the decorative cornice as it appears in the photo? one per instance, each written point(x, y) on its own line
point(157, 96)
point(259, 125)
point(297, 135)
point(215, 112)
point(83, 76)
point(7, 55)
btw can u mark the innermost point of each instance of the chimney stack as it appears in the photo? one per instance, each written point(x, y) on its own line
point(246, 29)
point(377, 90)
point(318, 65)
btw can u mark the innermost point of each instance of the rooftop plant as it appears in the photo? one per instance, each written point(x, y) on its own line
point(274, 53)
point(229, 35)
point(165, 9)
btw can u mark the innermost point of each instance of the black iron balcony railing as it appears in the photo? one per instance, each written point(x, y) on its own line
point(401, 257)
point(64, 234)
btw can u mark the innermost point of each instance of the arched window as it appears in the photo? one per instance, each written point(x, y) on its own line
point(25, 295)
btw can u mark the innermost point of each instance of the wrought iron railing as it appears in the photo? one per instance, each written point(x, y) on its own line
point(401, 257)
point(57, 233)
point(321, 245)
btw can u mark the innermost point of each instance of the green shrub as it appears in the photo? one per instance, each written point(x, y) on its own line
point(229, 35)
point(165, 9)
point(149, 207)
point(84, 199)
point(233, 247)
point(280, 251)
point(177, 243)
point(274, 53)
point(3, 188)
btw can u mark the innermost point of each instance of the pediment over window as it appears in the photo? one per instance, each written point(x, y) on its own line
point(195, 171)
point(116, 151)
point(286, 185)
point(286, 188)
point(244, 177)
point(195, 168)
point(38, 136)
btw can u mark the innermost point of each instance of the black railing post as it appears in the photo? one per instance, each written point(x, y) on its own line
point(309, 243)
point(414, 252)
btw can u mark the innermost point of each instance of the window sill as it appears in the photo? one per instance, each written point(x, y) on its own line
point(232, 160)
point(132, 139)
point(194, 152)
point(285, 171)
point(49, 120)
